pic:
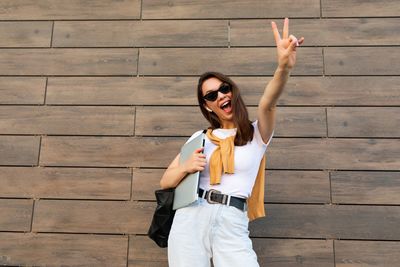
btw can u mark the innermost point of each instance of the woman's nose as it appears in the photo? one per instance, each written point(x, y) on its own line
point(220, 95)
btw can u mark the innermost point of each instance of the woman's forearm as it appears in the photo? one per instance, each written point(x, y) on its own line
point(172, 177)
point(274, 88)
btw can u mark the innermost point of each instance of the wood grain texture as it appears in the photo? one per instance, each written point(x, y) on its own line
point(318, 32)
point(115, 217)
point(122, 61)
point(283, 153)
point(189, 9)
point(169, 121)
point(22, 90)
point(67, 120)
point(25, 34)
point(15, 215)
point(276, 252)
point(109, 151)
point(330, 153)
point(89, 91)
point(328, 221)
point(377, 188)
point(62, 250)
point(280, 186)
point(355, 187)
point(177, 91)
point(363, 121)
point(71, 183)
point(72, 9)
point(296, 186)
point(230, 61)
point(359, 8)
point(362, 60)
point(145, 182)
point(144, 252)
point(121, 91)
point(19, 150)
point(354, 253)
point(174, 33)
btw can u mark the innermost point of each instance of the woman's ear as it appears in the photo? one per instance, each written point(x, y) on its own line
point(208, 109)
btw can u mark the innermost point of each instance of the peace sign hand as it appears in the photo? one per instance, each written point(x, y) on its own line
point(286, 46)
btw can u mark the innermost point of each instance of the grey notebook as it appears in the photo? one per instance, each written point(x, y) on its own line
point(187, 190)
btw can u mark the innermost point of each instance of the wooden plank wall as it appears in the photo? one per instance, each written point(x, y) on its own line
point(96, 97)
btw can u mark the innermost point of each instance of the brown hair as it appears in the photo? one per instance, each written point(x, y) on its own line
point(241, 120)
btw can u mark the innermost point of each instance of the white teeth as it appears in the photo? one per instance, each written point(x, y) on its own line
point(224, 104)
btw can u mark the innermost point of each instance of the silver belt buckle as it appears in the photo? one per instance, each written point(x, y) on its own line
point(209, 196)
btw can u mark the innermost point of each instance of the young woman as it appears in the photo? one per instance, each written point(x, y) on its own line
point(232, 168)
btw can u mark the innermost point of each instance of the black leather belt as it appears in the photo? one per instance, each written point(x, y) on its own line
point(214, 196)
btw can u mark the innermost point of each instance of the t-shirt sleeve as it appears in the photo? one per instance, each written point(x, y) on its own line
point(194, 136)
point(258, 137)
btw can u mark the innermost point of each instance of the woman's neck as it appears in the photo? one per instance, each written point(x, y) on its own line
point(227, 125)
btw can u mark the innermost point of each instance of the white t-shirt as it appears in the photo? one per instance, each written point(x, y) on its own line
point(246, 163)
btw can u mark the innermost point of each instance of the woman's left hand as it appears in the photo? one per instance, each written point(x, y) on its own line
point(286, 46)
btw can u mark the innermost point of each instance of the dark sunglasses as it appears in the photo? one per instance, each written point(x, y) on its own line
point(212, 96)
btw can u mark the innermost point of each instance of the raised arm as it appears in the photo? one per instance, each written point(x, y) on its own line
point(286, 51)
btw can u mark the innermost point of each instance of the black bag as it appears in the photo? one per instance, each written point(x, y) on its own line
point(163, 217)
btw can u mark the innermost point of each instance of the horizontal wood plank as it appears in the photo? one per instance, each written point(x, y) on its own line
point(354, 253)
point(169, 121)
point(161, 33)
point(189, 9)
point(280, 186)
point(80, 61)
point(19, 150)
point(296, 186)
point(355, 187)
point(15, 215)
point(121, 91)
point(25, 34)
point(62, 250)
point(283, 220)
point(359, 8)
point(146, 263)
point(291, 121)
point(319, 32)
point(92, 216)
point(282, 153)
point(362, 60)
point(179, 91)
point(109, 151)
point(365, 187)
point(22, 90)
point(67, 120)
point(144, 252)
point(363, 121)
point(230, 61)
point(71, 183)
point(145, 182)
point(72, 9)
point(329, 153)
point(328, 221)
point(275, 252)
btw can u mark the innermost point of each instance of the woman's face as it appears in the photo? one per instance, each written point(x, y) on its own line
point(225, 113)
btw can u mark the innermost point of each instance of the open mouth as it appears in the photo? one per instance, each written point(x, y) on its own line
point(226, 106)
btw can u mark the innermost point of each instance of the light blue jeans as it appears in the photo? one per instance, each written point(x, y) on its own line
point(201, 231)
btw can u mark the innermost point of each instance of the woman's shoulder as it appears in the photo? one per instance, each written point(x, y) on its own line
point(257, 135)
